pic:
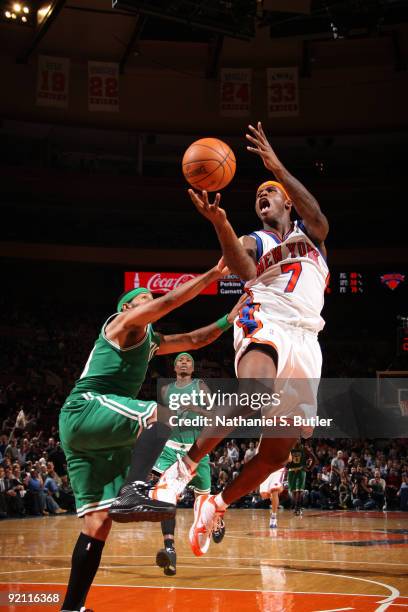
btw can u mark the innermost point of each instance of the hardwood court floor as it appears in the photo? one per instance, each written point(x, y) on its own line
point(324, 561)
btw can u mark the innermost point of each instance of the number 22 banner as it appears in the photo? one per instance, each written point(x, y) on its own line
point(235, 95)
point(52, 81)
point(283, 92)
point(103, 86)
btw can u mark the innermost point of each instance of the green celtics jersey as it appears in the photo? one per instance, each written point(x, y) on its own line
point(110, 369)
point(298, 459)
point(184, 435)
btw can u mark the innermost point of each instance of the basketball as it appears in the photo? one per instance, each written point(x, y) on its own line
point(209, 164)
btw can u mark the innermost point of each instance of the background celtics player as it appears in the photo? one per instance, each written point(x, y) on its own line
point(180, 441)
point(102, 418)
point(302, 459)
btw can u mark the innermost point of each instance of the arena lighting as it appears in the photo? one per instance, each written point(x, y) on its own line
point(43, 12)
point(16, 12)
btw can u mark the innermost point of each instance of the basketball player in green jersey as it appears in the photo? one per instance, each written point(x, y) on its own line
point(180, 441)
point(102, 418)
point(301, 460)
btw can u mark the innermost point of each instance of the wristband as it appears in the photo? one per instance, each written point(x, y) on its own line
point(223, 323)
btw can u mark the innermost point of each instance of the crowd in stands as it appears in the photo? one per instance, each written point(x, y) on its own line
point(347, 474)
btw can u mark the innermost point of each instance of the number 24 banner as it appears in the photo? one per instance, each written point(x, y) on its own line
point(283, 92)
point(52, 81)
point(103, 86)
point(235, 95)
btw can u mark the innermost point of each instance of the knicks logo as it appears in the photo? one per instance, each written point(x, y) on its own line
point(392, 280)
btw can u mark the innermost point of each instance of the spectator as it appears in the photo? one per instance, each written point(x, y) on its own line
point(57, 456)
point(222, 481)
point(337, 467)
point(242, 451)
point(378, 485)
point(236, 470)
point(233, 451)
point(66, 495)
point(250, 452)
point(344, 492)
point(12, 450)
point(3, 505)
point(361, 494)
point(23, 451)
point(13, 491)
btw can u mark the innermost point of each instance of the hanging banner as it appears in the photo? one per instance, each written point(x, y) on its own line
point(103, 86)
point(52, 81)
point(283, 92)
point(235, 92)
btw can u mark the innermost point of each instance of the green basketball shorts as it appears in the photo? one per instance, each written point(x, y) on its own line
point(97, 434)
point(296, 480)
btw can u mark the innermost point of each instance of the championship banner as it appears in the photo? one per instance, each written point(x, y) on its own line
point(103, 86)
point(235, 92)
point(163, 282)
point(52, 81)
point(283, 92)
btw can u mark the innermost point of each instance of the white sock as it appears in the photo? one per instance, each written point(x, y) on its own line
point(219, 502)
point(273, 514)
point(190, 463)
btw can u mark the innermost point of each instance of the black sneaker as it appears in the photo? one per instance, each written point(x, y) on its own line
point(166, 558)
point(134, 504)
point(218, 531)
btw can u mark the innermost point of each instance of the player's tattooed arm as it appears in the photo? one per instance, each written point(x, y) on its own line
point(130, 325)
point(304, 202)
point(234, 253)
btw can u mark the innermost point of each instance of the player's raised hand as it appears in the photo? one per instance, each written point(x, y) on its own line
point(212, 212)
point(222, 268)
point(261, 146)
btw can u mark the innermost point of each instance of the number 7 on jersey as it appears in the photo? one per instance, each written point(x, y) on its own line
point(294, 269)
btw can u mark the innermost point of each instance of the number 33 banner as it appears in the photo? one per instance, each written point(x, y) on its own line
point(52, 81)
point(283, 92)
point(103, 86)
point(235, 92)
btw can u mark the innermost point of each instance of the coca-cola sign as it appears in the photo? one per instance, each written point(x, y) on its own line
point(163, 282)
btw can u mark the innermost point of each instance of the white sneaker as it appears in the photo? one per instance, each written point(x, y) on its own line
point(172, 482)
point(206, 519)
point(273, 523)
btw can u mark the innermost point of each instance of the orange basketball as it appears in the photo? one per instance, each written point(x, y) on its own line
point(209, 164)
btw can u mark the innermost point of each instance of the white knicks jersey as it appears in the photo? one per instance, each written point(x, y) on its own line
point(291, 278)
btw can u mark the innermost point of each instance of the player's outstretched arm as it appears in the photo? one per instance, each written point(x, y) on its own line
point(235, 255)
point(156, 309)
point(304, 202)
point(193, 340)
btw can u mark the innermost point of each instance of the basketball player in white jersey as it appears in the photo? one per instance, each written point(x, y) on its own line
point(275, 334)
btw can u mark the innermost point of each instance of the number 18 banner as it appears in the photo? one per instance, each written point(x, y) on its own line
point(103, 86)
point(52, 81)
point(235, 94)
point(283, 92)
